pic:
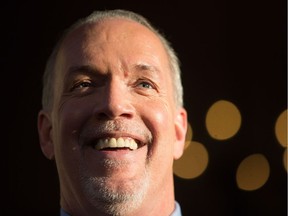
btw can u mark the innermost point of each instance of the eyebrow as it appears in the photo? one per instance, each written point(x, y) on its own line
point(145, 67)
point(93, 71)
point(84, 69)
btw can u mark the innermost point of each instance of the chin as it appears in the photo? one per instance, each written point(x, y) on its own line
point(115, 197)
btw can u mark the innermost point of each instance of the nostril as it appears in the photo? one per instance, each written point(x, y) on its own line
point(127, 115)
point(102, 116)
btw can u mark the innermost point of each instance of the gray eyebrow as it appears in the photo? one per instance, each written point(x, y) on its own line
point(91, 70)
point(145, 67)
point(83, 68)
point(88, 70)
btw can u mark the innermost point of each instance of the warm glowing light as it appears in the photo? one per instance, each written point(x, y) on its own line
point(285, 159)
point(193, 162)
point(189, 136)
point(281, 129)
point(253, 172)
point(223, 120)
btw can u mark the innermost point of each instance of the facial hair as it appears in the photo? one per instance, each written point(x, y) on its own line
point(117, 201)
point(123, 197)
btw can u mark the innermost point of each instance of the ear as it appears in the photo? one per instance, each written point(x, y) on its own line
point(181, 130)
point(45, 134)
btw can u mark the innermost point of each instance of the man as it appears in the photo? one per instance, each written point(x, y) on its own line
point(113, 118)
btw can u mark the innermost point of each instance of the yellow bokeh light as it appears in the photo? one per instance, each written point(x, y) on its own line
point(189, 136)
point(193, 162)
point(281, 128)
point(253, 172)
point(223, 120)
point(285, 159)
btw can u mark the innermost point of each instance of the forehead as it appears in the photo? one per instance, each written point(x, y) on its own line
point(116, 36)
point(111, 28)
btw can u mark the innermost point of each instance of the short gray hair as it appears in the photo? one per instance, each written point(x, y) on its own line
point(97, 16)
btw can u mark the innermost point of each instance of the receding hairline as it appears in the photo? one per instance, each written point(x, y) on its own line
point(101, 16)
point(98, 24)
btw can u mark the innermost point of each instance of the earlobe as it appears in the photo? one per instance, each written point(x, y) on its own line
point(45, 134)
point(181, 130)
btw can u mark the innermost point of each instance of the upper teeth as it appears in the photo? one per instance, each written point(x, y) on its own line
point(116, 143)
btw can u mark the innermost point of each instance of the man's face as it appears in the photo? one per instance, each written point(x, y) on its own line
point(115, 127)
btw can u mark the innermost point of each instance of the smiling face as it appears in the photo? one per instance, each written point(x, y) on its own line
point(114, 128)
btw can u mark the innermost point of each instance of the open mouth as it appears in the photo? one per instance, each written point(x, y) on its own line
point(116, 144)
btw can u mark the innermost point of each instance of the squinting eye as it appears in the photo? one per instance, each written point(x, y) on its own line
point(145, 85)
point(84, 84)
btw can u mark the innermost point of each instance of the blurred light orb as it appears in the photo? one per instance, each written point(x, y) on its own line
point(193, 162)
point(223, 120)
point(253, 172)
point(281, 128)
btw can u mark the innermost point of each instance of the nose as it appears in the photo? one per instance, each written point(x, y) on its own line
point(114, 102)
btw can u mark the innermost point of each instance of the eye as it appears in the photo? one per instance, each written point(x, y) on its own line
point(145, 85)
point(82, 85)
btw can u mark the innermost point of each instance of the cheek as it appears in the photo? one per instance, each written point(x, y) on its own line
point(73, 113)
point(68, 124)
point(161, 123)
point(162, 119)
point(160, 159)
point(71, 117)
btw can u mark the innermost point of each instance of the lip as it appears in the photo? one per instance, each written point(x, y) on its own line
point(93, 140)
point(117, 155)
point(121, 156)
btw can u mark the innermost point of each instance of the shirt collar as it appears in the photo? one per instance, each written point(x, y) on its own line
point(176, 212)
point(63, 213)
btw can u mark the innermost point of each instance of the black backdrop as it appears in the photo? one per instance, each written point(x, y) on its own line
point(231, 50)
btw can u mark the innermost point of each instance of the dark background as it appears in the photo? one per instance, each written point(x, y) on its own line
point(231, 50)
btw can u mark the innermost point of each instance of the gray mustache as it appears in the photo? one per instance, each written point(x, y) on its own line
point(97, 129)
